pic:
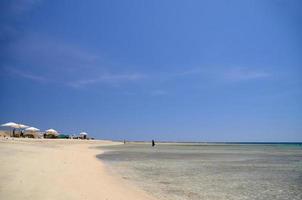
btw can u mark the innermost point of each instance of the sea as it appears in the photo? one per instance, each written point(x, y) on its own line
point(210, 171)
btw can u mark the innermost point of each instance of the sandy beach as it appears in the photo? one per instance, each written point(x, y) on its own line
point(59, 169)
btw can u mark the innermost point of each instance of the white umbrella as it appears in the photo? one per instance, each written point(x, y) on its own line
point(32, 129)
point(11, 124)
point(14, 126)
point(23, 126)
point(83, 133)
point(51, 132)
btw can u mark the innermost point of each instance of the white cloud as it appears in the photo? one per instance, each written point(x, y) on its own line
point(26, 75)
point(45, 52)
point(109, 79)
point(76, 67)
point(215, 74)
point(18, 7)
point(66, 64)
point(112, 79)
point(243, 74)
point(14, 12)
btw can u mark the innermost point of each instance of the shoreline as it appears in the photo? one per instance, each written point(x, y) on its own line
point(60, 169)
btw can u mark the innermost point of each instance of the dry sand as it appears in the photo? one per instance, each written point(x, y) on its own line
point(41, 169)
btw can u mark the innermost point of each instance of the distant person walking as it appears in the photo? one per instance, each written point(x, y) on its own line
point(153, 143)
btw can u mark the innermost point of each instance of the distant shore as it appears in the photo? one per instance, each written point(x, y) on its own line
point(59, 169)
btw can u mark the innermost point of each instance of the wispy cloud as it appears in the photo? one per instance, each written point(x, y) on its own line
point(13, 12)
point(112, 79)
point(18, 7)
point(109, 79)
point(118, 79)
point(67, 64)
point(77, 67)
point(42, 51)
point(26, 75)
point(216, 74)
point(244, 74)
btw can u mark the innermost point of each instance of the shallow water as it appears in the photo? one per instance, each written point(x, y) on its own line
point(194, 171)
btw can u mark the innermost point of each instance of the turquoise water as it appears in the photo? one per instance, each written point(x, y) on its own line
point(194, 171)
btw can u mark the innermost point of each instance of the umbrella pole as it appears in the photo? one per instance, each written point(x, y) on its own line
point(14, 132)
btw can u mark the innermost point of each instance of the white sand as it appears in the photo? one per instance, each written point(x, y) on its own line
point(40, 169)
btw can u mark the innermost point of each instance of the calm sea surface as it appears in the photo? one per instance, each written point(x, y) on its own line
point(214, 171)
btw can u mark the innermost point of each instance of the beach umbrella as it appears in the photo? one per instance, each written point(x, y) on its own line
point(51, 132)
point(11, 124)
point(83, 135)
point(23, 126)
point(14, 126)
point(31, 131)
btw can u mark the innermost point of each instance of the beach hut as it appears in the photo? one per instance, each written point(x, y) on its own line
point(83, 135)
point(51, 133)
point(31, 132)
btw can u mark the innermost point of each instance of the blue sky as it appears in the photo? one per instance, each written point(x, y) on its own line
point(164, 70)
